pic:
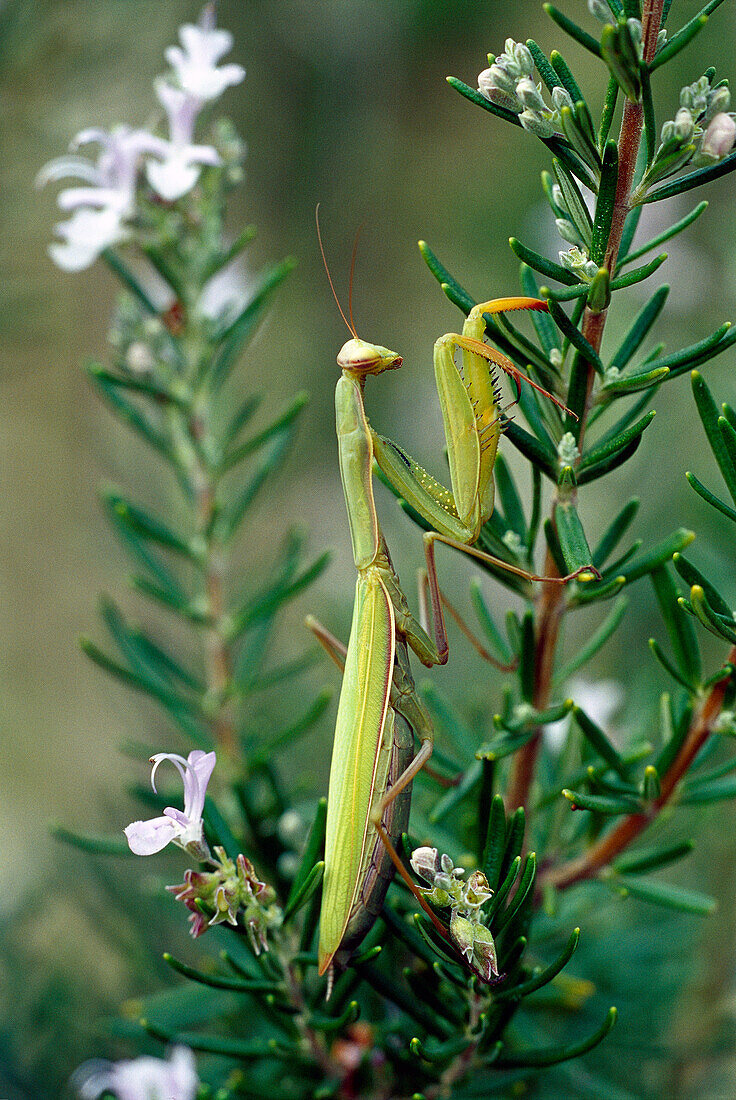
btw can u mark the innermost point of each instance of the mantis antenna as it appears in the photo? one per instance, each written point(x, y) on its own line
point(351, 327)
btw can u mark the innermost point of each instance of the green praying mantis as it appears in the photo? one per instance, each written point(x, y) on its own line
point(379, 712)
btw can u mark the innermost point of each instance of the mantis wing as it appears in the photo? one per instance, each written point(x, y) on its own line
point(361, 717)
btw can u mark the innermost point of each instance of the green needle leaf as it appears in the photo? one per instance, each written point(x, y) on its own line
point(596, 641)
point(600, 804)
point(221, 981)
point(495, 844)
point(659, 554)
point(573, 543)
point(567, 80)
point(709, 497)
point(552, 1056)
point(650, 859)
point(459, 295)
point(615, 532)
point(613, 448)
point(703, 794)
point(684, 36)
point(640, 328)
point(683, 638)
point(480, 101)
point(692, 576)
point(720, 625)
point(256, 441)
point(666, 235)
point(574, 335)
point(600, 742)
point(547, 73)
point(693, 179)
point(711, 419)
point(237, 334)
point(661, 893)
point(544, 976)
point(305, 891)
point(541, 264)
point(604, 205)
point(582, 37)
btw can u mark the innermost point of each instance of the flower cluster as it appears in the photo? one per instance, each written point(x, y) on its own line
point(231, 891)
point(576, 261)
point(143, 1078)
point(509, 83)
point(104, 208)
point(464, 898)
point(702, 132)
point(704, 120)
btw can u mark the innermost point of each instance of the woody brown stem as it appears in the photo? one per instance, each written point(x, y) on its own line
point(613, 843)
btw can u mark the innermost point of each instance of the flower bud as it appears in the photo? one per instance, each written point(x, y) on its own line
point(567, 450)
point(568, 232)
point(634, 26)
point(477, 890)
point(684, 125)
point(718, 101)
point(475, 942)
point(668, 131)
point(562, 98)
point(425, 863)
point(535, 124)
point(719, 137)
point(530, 95)
point(600, 10)
point(523, 58)
point(497, 87)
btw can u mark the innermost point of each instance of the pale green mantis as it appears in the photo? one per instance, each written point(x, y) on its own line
point(379, 712)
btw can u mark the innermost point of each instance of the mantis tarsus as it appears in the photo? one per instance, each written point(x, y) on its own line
point(379, 713)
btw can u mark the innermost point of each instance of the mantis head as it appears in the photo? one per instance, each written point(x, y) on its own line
point(358, 357)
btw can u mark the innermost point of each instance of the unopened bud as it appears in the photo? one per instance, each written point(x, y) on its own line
point(489, 85)
point(567, 450)
point(719, 137)
point(562, 98)
point(684, 125)
point(425, 863)
point(535, 124)
point(718, 101)
point(523, 58)
point(600, 10)
point(634, 26)
point(568, 232)
point(475, 942)
point(530, 95)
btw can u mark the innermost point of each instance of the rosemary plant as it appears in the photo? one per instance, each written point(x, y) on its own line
point(475, 1011)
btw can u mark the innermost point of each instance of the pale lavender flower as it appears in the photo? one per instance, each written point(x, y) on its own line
point(195, 64)
point(143, 1078)
point(85, 236)
point(181, 161)
point(102, 206)
point(145, 838)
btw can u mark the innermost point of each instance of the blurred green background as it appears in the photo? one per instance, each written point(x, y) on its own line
point(345, 103)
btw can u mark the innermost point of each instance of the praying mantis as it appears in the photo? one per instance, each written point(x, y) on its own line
point(379, 712)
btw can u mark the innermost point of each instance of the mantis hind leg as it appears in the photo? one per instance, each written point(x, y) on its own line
point(425, 590)
point(332, 646)
point(377, 815)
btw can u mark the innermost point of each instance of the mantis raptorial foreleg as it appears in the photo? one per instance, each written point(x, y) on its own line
point(471, 413)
